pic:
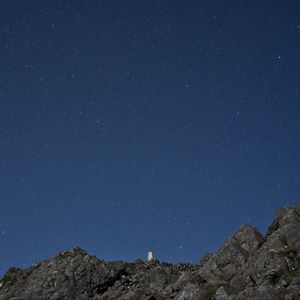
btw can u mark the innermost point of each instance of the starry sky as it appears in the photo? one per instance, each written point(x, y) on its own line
point(128, 126)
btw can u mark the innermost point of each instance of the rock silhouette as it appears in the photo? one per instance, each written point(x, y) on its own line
point(247, 266)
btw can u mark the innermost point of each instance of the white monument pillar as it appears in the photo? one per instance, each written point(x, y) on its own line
point(150, 256)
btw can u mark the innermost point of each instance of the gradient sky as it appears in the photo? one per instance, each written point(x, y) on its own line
point(133, 125)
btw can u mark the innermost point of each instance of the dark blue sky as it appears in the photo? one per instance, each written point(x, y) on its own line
point(134, 125)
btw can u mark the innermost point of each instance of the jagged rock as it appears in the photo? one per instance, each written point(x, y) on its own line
point(221, 294)
point(204, 259)
point(247, 266)
point(285, 216)
point(279, 254)
point(272, 268)
point(235, 252)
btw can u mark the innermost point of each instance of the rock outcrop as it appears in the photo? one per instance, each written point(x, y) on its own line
point(248, 266)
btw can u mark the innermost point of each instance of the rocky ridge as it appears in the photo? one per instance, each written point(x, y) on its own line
point(247, 266)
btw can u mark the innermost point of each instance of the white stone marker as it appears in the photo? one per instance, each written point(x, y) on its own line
point(150, 256)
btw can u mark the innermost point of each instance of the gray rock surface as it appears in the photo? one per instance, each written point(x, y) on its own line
point(247, 266)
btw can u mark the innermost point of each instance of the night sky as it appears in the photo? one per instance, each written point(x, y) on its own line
point(128, 126)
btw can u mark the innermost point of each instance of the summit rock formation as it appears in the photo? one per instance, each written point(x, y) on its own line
point(247, 266)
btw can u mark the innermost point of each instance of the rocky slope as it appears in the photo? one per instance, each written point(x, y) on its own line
point(247, 266)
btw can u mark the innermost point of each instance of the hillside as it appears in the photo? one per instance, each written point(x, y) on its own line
point(247, 266)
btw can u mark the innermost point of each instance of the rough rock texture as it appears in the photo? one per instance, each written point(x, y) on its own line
point(247, 266)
